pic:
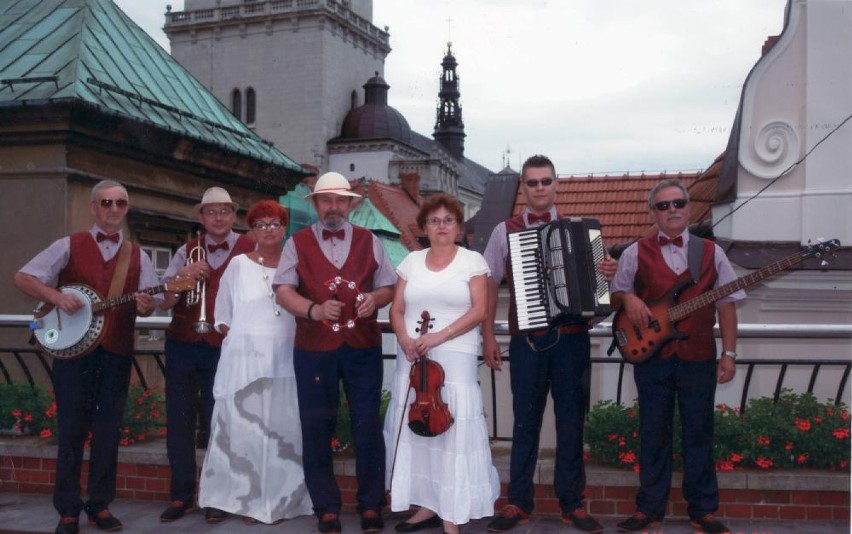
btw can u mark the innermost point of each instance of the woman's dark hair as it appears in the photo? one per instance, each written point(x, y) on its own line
point(436, 201)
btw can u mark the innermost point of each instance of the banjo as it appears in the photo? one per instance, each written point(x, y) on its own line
point(66, 337)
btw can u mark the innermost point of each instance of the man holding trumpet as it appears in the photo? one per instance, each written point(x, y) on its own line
point(193, 346)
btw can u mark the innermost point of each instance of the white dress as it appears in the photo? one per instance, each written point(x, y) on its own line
point(452, 473)
point(253, 464)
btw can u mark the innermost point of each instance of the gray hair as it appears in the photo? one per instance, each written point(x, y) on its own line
point(107, 184)
point(668, 182)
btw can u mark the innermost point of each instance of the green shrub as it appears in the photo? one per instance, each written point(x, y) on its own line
point(22, 408)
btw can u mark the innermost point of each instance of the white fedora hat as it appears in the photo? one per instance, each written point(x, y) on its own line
point(334, 183)
point(216, 195)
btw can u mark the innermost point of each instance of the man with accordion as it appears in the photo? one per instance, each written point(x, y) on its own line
point(555, 354)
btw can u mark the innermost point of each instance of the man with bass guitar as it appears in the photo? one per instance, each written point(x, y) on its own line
point(684, 369)
point(91, 390)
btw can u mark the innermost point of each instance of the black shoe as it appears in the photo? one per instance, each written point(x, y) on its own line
point(329, 523)
point(68, 525)
point(432, 522)
point(708, 524)
point(175, 511)
point(104, 520)
point(580, 520)
point(508, 518)
point(215, 515)
point(637, 521)
point(371, 521)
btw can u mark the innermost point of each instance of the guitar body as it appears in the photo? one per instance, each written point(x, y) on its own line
point(64, 336)
point(636, 343)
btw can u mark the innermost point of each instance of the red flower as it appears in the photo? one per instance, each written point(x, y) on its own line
point(736, 457)
point(51, 411)
point(630, 414)
point(335, 443)
point(45, 433)
point(763, 462)
point(16, 413)
point(724, 465)
point(28, 418)
point(622, 442)
point(841, 433)
point(817, 419)
point(635, 468)
point(763, 440)
point(123, 442)
point(802, 458)
point(788, 446)
point(844, 415)
point(627, 457)
point(829, 411)
point(635, 434)
point(146, 393)
point(612, 436)
point(803, 424)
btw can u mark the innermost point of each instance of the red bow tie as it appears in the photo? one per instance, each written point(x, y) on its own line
point(677, 241)
point(532, 218)
point(107, 237)
point(213, 247)
point(337, 234)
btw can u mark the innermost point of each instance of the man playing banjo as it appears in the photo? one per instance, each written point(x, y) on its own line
point(91, 390)
point(333, 277)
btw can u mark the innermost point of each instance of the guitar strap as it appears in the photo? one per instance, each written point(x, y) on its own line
point(694, 257)
point(121, 268)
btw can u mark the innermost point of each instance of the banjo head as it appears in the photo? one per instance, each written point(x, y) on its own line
point(68, 336)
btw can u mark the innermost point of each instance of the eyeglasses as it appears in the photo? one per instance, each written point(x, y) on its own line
point(224, 212)
point(678, 203)
point(436, 221)
point(261, 226)
point(532, 184)
point(107, 203)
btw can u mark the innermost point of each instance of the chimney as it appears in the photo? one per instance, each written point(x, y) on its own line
point(768, 44)
point(411, 184)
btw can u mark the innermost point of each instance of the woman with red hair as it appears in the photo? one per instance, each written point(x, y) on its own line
point(253, 465)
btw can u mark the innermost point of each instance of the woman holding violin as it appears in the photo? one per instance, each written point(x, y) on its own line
point(439, 303)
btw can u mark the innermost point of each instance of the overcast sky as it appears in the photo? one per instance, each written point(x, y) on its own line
point(600, 86)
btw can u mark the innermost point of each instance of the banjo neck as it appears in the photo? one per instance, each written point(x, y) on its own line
point(127, 298)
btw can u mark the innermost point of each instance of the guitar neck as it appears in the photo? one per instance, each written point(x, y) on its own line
point(683, 309)
point(126, 298)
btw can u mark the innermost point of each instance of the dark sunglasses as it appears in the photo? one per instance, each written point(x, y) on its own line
point(106, 203)
point(534, 183)
point(678, 203)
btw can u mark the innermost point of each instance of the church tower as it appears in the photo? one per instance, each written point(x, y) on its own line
point(289, 70)
point(449, 127)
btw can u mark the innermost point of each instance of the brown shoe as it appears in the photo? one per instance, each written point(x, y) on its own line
point(175, 511)
point(708, 524)
point(508, 518)
point(637, 521)
point(581, 520)
point(104, 520)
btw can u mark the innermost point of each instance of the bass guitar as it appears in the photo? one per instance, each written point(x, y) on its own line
point(638, 343)
point(66, 337)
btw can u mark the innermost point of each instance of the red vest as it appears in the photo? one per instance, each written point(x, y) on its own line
point(86, 266)
point(315, 271)
point(654, 279)
point(185, 316)
point(513, 225)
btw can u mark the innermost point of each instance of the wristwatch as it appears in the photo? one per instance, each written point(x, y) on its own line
point(731, 354)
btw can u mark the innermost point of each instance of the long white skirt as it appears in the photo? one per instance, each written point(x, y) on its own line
point(253, 465)
point(452, 473)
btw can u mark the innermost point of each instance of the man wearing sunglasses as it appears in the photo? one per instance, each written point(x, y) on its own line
point(684, 371)
point(192, 353)
point(552, 359)
point(91, 391)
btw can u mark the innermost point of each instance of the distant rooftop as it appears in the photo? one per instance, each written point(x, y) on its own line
point(90, 52)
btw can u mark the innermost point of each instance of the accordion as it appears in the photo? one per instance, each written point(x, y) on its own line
point(554, 276)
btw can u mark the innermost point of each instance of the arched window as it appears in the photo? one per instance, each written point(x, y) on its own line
point(251, 105)
point(353, 100)
point(237, 104)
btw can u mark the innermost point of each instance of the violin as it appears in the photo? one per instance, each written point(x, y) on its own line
point(428, 414)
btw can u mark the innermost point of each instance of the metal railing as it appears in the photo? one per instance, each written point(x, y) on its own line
point(30, 360)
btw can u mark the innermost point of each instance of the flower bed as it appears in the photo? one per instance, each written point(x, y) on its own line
point(797, 431)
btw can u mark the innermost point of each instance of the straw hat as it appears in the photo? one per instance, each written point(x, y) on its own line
point(334, 183)
point(215, 195)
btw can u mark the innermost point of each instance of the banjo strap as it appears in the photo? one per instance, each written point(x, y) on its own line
point(120, 274)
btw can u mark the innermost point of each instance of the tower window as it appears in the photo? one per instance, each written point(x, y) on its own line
point(251, 105)
point(237, 104)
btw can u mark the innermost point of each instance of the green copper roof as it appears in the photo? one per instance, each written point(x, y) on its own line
point(90, 51)
point(366, 215)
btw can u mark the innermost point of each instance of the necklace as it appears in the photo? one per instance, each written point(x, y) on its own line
point(275, 309)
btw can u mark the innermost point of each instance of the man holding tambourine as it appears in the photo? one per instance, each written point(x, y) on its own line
point(333, 277)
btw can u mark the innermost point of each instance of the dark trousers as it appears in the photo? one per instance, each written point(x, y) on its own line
point(557, 363)
point(190, 370)
point(318, 375)
point(90, 395)
point(693, 384)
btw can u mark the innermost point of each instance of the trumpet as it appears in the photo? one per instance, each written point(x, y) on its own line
point(199, 294)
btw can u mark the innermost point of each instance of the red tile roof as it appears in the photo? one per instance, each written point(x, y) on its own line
point(620, 203)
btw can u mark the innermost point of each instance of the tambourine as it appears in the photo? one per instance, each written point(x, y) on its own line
point(335, 285)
